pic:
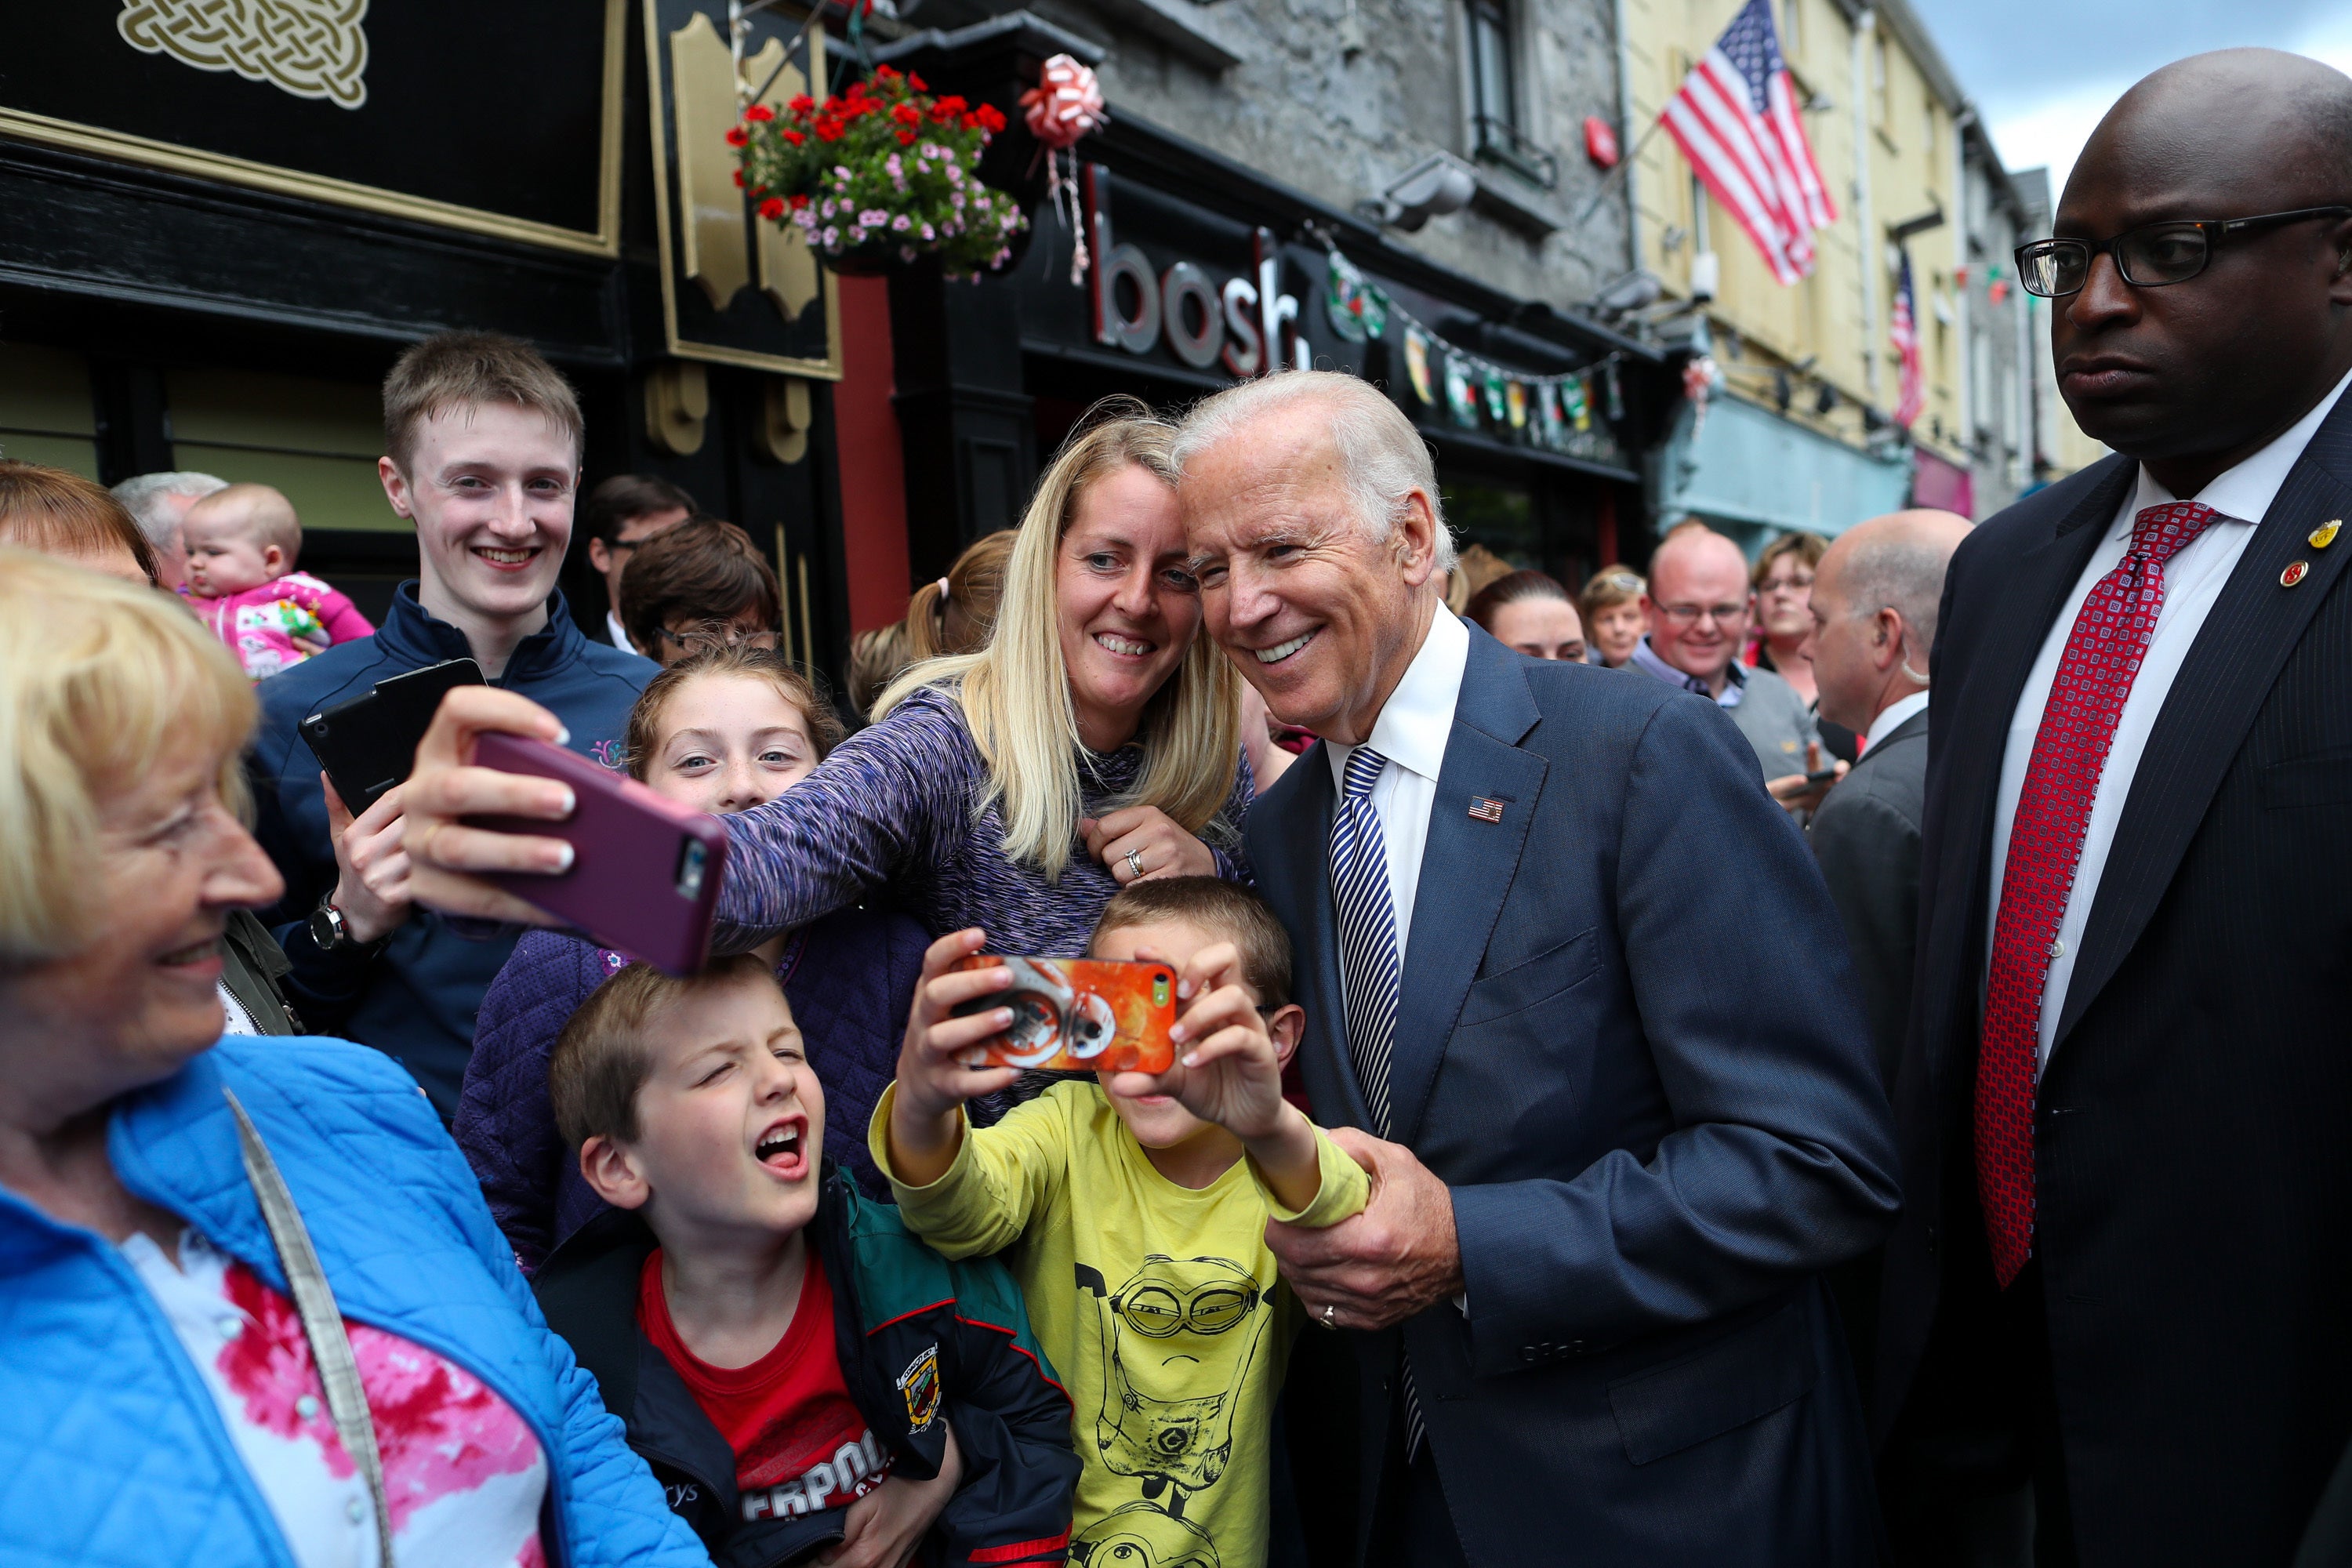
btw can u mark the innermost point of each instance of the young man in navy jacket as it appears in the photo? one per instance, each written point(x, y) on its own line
point(483, 444)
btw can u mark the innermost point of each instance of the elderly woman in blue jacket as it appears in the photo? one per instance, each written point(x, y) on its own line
point(191, 1231)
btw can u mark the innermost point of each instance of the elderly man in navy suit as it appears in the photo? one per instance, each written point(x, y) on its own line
point(1573, 980)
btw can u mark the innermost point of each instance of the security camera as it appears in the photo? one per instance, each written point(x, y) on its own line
point(1438, 184)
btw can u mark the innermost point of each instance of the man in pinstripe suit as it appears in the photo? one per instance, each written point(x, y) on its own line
point(1577, 997)
point(2114, 1327)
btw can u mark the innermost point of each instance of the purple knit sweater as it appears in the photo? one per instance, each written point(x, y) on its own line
point(850, 978)
point(891, 815)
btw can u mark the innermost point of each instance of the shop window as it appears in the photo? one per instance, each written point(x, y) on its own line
point(1498, 132)
point(1502, 518)
point(316, 440)
point(45, 413)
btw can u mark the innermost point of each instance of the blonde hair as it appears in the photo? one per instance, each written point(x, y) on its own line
point(1016, 692)
point(100, 682)
point(264, 514)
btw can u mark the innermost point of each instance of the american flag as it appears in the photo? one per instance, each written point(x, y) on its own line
point(1735, 118)
point(1903, 332)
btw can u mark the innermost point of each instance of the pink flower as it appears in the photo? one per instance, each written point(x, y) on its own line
point(901, 223)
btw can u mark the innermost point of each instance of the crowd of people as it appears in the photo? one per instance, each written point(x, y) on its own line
point(1882, 1109)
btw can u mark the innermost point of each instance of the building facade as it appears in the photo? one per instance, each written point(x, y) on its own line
point(1799, 431)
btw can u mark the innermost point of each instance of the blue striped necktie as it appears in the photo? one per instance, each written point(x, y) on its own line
point(1368, 967)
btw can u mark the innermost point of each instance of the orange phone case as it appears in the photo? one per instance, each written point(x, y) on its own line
point(1079, 1015)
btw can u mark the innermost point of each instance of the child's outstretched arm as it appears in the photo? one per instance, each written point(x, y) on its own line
point(927, 1112)
point(1228, 1071)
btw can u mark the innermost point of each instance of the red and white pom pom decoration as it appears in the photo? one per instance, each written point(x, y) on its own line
point(1066, 104)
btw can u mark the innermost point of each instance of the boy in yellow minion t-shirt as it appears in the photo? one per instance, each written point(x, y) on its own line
point(1133, 1211)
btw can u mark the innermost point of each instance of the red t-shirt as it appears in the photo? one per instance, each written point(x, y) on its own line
point(801, 1445)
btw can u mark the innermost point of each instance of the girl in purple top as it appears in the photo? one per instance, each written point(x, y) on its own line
point(1096, 740)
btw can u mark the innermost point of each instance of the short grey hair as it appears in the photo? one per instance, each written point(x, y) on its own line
point(144, 499)
point(1899, 573)
point(1383, 458)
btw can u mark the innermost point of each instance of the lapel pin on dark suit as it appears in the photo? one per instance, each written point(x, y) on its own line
point(2296, 571)
point(1486, 808)
point(2324, 534)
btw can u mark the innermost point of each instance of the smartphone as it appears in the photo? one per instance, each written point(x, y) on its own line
point(369, 745)
point(1079, 1015)
point(1820, 775)
point(645, 872)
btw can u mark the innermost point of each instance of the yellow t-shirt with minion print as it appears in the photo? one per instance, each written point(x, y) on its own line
point(1159, 1305)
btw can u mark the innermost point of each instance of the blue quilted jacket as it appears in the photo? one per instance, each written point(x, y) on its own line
point(111, 1449)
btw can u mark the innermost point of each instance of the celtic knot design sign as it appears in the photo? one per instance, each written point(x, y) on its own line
point(310, 49)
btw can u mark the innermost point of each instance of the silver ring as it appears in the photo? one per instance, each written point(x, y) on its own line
point(1135, 862)
point(1330, 1308)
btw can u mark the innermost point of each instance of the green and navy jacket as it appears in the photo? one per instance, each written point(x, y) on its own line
point(918, 1338)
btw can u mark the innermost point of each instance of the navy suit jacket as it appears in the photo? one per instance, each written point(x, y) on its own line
point(1628, 1042)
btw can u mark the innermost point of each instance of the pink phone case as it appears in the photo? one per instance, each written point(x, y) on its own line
point(646, 872)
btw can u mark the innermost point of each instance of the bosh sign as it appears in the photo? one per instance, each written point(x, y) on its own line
point(1204, 323)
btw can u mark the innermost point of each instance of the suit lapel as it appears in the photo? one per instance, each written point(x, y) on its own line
point(1466, 868)
point(1296, 859)
point(2239, 651)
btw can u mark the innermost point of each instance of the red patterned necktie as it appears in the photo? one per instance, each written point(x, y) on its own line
point(2045, 844)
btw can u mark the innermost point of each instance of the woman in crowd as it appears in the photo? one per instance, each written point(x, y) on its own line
point(1532, 613)
point(1610, 610)
point(1094, 741)
point(65, 515)
point(722, 732)
point(160, 1400)
point(1783, 580)
point(700, 584)
point(955, 614)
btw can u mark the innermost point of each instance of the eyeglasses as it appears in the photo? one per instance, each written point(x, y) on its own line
point(2148, 257)
point(1691, 615)
point(1159, 1311)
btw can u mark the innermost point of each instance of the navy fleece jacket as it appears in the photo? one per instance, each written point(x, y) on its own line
point(416, 998)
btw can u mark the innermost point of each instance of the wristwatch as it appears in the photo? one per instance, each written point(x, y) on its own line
point(329, 929)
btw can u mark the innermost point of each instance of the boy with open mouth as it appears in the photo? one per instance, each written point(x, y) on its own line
point(806, 1378)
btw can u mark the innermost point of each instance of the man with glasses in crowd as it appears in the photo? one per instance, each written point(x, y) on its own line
point(2113, 1323)
point(1699, 606)
point(620, 515)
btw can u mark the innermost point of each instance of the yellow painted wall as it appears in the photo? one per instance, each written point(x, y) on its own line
point(1911, 165)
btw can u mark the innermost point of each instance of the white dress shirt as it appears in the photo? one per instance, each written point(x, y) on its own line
point(619, 633)
point(2193, 580)
point(1893, 717)
point(1411, 732)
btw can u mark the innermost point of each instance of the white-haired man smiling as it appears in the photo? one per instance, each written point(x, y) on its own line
point(1624, 1120)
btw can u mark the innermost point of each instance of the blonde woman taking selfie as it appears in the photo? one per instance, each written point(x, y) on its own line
point(1094, 741)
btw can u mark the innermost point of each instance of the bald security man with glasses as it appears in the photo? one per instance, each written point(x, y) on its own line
point(2117, 1325)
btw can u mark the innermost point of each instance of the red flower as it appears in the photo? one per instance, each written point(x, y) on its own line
point(759, 112)
point(854, 90)
point(801, 104)
point(990, 116)
point(905, 139)
point(970, 122)
point(739, 176)
point(886, 73)
point(948, 107)
point(737, 136)
point(800, 200)
point(828, 131)
point(796, 137)
point(906, 114)
point(916, 82)
point(773, 208)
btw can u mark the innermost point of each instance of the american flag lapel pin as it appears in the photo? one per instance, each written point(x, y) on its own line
point(1486, 808)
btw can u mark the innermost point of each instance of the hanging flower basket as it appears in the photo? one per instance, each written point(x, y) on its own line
point(879, 174)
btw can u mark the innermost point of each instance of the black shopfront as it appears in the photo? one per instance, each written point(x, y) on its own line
point(1203, 271)
point(216, 244)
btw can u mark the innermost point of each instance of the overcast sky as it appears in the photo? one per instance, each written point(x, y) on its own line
point(2044, 71)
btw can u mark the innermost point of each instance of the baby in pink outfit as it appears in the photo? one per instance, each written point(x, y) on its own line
point(242, 545)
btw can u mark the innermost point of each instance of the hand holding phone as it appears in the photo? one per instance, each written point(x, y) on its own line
point(1077, 1015)
point(1227, 1069)
point(645, 872)
point(368, 745)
